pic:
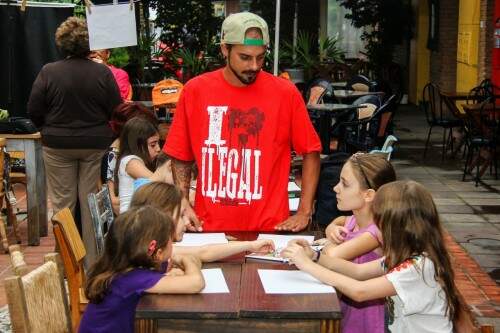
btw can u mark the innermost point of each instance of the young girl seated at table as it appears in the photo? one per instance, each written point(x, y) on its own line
point(356, 237)
point(168, 198)
point(138, 245)
point(415, 274)
point(121, 114)
point(139, 147)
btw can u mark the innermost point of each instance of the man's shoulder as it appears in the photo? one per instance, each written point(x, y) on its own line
point(278, 82)
point(203, 79)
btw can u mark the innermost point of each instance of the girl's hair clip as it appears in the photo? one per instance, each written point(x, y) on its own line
point(152, 247)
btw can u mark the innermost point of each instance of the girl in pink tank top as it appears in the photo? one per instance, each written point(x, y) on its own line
point(357, 238)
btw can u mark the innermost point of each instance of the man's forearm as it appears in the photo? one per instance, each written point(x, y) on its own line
point(181, 172)
point(310, 176)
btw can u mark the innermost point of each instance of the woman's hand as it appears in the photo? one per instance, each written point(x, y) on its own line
point(262, 246)
point(309, 252)
point(336, 233)
point(296, 254)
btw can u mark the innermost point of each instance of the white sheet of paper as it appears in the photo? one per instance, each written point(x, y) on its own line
point(215, 283)
point(111, 26)
point(280, 241)
point(293, 204)
point(293, 187)
point(192, 239)
point(291, 282)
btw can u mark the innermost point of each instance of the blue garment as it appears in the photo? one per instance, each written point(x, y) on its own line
point(116, 312)
point(140, 181)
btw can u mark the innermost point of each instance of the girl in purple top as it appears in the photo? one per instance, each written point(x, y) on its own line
point(357, 238)
point(138, 245)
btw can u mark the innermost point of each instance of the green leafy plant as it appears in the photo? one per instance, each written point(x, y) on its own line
point(119, 57)
point(310, 54)
point(329, 51)
point(193, 63)
point(186, 23)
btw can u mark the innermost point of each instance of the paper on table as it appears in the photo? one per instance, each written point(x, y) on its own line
point(214, 281)
point(192, 239)
point(293, 204)
point(293, 187)
point(281, 241)
point(111, 26)
point(291, 282)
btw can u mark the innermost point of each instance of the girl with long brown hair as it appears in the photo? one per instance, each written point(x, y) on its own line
point(415, 273)
point(138, 245)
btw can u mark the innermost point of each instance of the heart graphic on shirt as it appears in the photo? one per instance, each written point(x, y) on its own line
point(245, 124)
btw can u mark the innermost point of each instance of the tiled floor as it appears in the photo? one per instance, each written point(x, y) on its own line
point(471, 216)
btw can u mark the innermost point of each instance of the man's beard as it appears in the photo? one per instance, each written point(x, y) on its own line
point(249, 78)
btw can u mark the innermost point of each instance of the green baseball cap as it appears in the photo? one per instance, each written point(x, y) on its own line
point(236, 25)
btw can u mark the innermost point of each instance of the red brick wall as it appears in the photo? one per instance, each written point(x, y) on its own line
point(486, 30)
point(443, 61)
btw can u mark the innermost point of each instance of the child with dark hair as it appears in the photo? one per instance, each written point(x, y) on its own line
point(121, 114)
point(139, 147)
point(138, 246)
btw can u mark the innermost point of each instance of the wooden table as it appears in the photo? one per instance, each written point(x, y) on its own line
point(327, 112)
point(246, 309)
point(477, 106)
point(31, 145)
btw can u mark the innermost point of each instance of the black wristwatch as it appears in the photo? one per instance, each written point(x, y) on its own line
point(316, 255)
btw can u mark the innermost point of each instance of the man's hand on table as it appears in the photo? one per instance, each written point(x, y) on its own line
point(189, 215)
point(294, 223)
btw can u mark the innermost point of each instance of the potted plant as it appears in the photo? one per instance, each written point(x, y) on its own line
point(305, 59)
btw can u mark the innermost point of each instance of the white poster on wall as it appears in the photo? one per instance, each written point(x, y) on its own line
point(111, 26)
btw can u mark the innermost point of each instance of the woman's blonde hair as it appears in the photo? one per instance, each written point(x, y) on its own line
point(405, 213)
point(72, 37)
point(161, 195)
point(372, 170)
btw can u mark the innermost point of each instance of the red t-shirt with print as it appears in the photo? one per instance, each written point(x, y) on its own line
point(241, 140)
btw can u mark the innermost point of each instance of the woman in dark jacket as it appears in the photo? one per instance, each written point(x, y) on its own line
point(72, 101)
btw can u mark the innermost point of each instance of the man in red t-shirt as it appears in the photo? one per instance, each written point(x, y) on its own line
point(240, 124)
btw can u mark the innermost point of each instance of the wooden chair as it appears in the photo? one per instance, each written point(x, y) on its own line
point(72, 251)
point(17, 261)
point(37, 300)
point(101, 211)
point(11, 216)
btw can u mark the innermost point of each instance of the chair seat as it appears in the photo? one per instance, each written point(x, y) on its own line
point(480, 141)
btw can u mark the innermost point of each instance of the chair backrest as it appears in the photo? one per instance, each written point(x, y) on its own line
point(387, 148)
point(360, 83)
point(101, 211)
point(317, 90)
point(431, 102)
point(72, 251)
point(37, 301)
point(166, 92)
